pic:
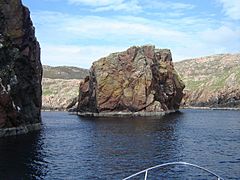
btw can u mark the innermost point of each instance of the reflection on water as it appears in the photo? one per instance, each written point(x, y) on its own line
point(70, 147)
point(22, 157)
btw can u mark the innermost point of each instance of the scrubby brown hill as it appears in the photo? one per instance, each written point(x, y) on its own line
point(212, 81)
point(64, 72)
point(59, 94)
point(60, 86)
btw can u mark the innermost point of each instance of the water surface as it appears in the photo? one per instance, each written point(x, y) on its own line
point(70, 147)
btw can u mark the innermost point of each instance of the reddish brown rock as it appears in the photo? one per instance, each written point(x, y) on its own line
point(20, 67)
point(138, 79)
point(8, 112)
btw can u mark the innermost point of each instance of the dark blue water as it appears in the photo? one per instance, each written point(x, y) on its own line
point(70, 147)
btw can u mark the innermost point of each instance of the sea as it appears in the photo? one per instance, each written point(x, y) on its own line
point(72, 147)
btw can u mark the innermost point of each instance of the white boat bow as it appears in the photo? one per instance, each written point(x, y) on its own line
point(168, 164)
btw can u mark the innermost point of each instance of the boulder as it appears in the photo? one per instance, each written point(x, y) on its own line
point(20, 67)
point(140, 79)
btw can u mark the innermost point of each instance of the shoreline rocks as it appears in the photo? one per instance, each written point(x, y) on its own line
point(225, 98)
point(124, 114)
point(20, 130)
point(140, 79)
point(211, 108)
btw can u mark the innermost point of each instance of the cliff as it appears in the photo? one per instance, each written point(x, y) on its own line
point(140, 79)
point(212, 81)
point(20, 70)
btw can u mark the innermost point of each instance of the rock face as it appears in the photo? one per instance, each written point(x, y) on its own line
point(20, 67)
point(224, 98)
point(212, 81)
point(140, 79)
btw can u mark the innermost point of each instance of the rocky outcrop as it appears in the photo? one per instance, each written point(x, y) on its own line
point(212, 81)
point(140, 79)
point(20, 69)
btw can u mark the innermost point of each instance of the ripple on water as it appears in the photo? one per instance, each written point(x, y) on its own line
point(70, 147)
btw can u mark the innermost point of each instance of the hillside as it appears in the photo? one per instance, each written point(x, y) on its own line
point(211, 81)
point(64, 72)
point(58, 94)
point(60, 86)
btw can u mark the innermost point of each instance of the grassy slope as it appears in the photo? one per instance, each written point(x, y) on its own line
point(206, 77)
point(211, 70)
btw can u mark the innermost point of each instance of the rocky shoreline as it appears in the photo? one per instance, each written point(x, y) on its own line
point(123, 114)
point(212, 108)
point(20, 130)
point(54, 110)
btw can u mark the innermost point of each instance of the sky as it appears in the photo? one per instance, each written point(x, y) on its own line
point(79, 32)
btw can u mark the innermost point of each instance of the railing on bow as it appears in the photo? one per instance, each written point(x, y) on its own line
point(168, 164)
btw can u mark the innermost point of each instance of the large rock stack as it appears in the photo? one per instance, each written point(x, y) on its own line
point(20, 70)
point(140, 79)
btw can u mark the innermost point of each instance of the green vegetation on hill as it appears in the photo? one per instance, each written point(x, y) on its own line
point(210, 77)
point(64, 72)
point(212, 72)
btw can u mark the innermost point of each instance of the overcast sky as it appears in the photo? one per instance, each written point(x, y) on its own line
point(78, 32)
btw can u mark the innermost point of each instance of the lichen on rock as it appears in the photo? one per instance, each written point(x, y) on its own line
point(140, 79)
